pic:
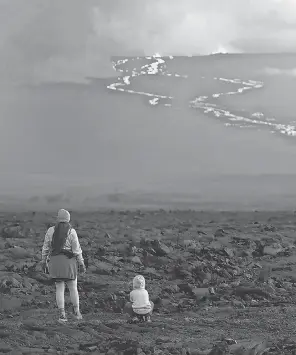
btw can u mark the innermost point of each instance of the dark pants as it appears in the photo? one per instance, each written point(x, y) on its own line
point(128, 309)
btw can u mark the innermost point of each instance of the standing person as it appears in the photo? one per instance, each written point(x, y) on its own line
point(62, 246)
point(139, 307)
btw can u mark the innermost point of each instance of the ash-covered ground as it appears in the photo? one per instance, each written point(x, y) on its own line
point(222, 283)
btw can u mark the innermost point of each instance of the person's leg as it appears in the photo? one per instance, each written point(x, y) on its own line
point(60, 298)
point(72, 285)
point(148, 316)
point(152, 307)
point(128, 309)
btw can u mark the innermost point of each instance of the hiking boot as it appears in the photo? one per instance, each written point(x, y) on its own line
point(148, 319)
point(77, 314)
point(62, 318)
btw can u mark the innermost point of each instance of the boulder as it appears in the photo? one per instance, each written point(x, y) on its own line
point(254, 291)
point(151, 271)
point(229, 252)
point(101, 268)
point(273, 249)
point(185, 287)
point(19, 253)
point(200, 275)
point(19, 266)
point(5, 348)
point(173, 288)
point(4, 245)
point(238, 304)
point(28, 283)
point(219, 233)
point(160, 248)
point(189, 243)
point(9, 303)
point(268, 228)
point(4, 334)
point(121, 248)
point(180, 272)
point(200, 293)
point(264, 273)
point(15, 231)
point(136, 260)
point(249, 347)
point(32, 324)
point(9, 282)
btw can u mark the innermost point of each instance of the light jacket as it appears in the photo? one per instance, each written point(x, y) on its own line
point(71, 244)
point(139, 296)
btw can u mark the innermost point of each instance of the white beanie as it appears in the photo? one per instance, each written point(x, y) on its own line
point(63, 216)
point(139, 282)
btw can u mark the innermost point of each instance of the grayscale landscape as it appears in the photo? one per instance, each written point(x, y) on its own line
point(167, 128)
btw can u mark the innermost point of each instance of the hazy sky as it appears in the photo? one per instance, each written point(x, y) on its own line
point(71, 39)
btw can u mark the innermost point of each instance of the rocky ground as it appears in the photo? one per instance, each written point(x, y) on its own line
point(222, 283)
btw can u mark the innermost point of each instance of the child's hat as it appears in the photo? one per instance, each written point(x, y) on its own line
point(139, 281)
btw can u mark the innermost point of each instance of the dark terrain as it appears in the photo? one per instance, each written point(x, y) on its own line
point(222, 283)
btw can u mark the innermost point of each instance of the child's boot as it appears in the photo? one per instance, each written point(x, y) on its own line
point(133, 320)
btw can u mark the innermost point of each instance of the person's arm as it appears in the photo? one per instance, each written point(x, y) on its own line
point(131, 297)
point(46, 245)
point(76, 249)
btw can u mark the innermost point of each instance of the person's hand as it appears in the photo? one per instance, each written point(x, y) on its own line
point(43, 265)
point(82, 268)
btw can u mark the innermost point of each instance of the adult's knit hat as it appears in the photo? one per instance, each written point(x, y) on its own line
point(63, 216)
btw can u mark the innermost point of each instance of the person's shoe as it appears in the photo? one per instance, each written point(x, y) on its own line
point(142, 318)
point(63, 318)
point(77, 314)
point(133, 320)
point(148, 319)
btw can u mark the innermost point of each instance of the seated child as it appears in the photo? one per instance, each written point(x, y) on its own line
point(139, 307)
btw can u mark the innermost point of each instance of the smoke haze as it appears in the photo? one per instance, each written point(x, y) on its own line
point(69, 40)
